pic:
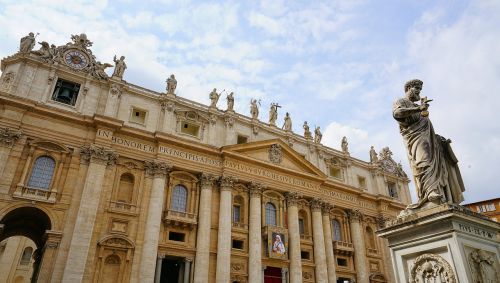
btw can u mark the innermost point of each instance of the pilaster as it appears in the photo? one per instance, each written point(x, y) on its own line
point(358, 241)
point(8, 138)
point(319, 242)
point(327, 231)
point(292, 200)
point(224, 234)
point(254, 234)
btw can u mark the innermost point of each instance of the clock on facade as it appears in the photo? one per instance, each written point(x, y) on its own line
point(76, 59)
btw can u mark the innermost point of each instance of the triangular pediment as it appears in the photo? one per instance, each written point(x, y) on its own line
point(276, 153)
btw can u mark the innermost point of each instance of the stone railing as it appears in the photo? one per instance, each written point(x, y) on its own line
point(371, 251)
point(35, 194)
point(343, 248)
point(306, 237)
point(240, 225)
point(180, 218)
point(123, 206)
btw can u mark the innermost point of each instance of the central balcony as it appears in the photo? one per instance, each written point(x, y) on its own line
point(180, 219)
point(343, 248)
point(35, 194)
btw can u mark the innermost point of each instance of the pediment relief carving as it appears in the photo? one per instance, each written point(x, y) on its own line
point(275, 152)
point(191, 116)
point(49, 145)
point(117, 242)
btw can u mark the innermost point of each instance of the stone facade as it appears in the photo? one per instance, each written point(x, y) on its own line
point(117, 183)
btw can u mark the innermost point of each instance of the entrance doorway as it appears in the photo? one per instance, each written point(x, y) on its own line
point(31, 223)
point(343, 280)
point(272, 275)
point(172, 270)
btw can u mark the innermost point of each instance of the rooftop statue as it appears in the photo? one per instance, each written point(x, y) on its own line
point(307, 132)
point(345, 145)
point(120, 67)
point(317, 135)
point(287, 126)
point(254, 109)
point(434, 165)
point(230, 101)
point(27, 43)
point(214, 98)
point(171, 84)
point(273, 114)
point(373, 155)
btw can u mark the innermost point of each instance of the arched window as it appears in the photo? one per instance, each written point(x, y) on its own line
point(41, 175)
point(337, 230)
point(26, 257)
point(270, 214)
point(111, 269)
point(126, 188)
point(179, 199)
point(370, 238)
point(303, 222)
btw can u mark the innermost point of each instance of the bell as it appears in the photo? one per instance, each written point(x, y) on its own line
point(65, 96)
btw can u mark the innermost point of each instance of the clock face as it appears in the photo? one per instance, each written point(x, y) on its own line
point(76, 59)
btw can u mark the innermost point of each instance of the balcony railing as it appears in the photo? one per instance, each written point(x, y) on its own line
point(123, 206)
point(305, 237)
point(372, 251)
point(240, 225)
point(180, 218)
point(343, 248)
point(35, 194)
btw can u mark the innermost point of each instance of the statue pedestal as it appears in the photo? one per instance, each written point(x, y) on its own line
point(445, 243)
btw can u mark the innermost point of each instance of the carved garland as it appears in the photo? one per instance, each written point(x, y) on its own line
point(9, 137)
point(98, 154)
point(431, 266)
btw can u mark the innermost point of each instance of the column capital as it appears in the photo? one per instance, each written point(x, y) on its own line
point(292, 198)
point(316, 204)
point(207, 181)
point(255, 189)
point(98, 154)
point(8, 137)
point(326, 208)
point(354, 215)
point(226, 183)
point(157, 168)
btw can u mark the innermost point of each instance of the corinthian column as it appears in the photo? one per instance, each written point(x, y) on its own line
point(159, 171)
point(319, 242)
point(359, 246)
point(327, 231)
point(203, 234)
point(255, 237)
point(294, 238)
point(98, 158)
point(8, 138)
point(224, 234)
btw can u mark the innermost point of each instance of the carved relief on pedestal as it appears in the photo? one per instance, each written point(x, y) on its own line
point(431, 268)
point(483, 266)
point(7, 81)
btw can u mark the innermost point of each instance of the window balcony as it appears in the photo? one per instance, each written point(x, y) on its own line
point(306, 237)
point(120, 206)
point(343, 248)
point(372, 252)
point(180, 219)
point(35, 194)
point(240, 225)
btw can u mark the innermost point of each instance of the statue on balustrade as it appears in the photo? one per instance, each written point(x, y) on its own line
point(434, 165)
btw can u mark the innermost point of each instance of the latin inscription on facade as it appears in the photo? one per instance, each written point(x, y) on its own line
point(475, 231)
point(188, 156)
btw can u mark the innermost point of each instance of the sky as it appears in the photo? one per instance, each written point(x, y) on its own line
point(335, 64)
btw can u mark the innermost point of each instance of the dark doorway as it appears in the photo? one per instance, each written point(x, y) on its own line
point(343, 280)
point(272, 275)
point(171, 270)
point(29, 222)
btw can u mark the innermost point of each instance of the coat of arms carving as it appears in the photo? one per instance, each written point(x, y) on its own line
point(275, 154)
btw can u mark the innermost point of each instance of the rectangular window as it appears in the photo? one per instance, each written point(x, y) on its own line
point(305, 255)
point(242, 139)
point(301, 226)
point(362, 182)
point(236, 214)
point(66, 92)
point(491, 207)
point(342, 262)
point(238, 244)
point(190, 129)
point(336, 172)
point(138, 116)
point(393, 193)
point(175, 236)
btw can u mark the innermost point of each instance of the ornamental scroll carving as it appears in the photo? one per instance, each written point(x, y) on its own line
point(292, 198)
point(255, 189)
point(157, 169)
point(226, 183)
point(98, 154)
point(207, 181)
point(275, 154)
point(355, 215)
point(430, 268)
point(9, 137)
point(316, 204)
point(484, 268)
